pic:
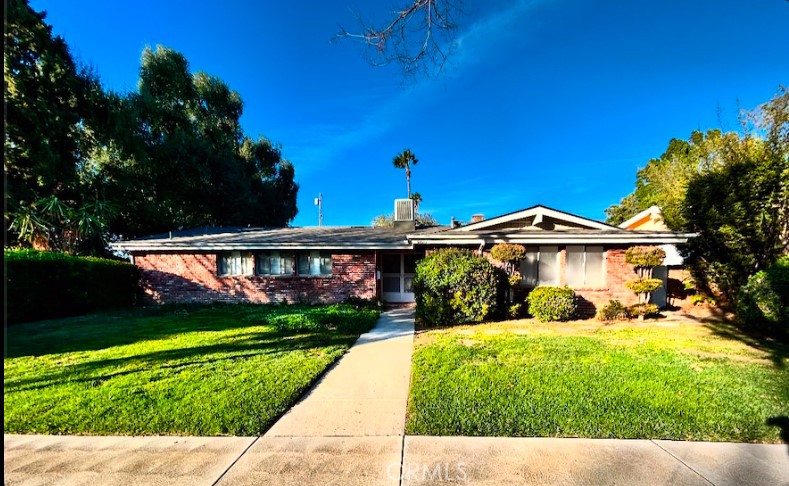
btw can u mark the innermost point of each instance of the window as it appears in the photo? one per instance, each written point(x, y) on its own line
point(585, 266)
point(274, 263)
point(234, 263)
point(541, 266)
point(314, 263)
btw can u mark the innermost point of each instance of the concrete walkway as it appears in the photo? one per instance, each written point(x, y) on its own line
point(349, 429)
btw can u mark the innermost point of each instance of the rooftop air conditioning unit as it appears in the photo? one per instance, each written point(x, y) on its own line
point(404, 210)
point(404, 214)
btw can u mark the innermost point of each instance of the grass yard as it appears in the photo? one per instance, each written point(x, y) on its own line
point(671, 380)
point(231, 369)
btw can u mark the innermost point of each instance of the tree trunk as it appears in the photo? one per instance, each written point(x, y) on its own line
point(408, 180)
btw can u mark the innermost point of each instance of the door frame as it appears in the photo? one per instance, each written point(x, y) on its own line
point(401, 296)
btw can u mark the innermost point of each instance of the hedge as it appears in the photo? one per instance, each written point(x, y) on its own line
point(763, 302)
point(454, 286)
point(44, 285)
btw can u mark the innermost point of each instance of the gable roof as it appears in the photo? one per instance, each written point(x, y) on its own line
point(652, 213)
point(538, 212)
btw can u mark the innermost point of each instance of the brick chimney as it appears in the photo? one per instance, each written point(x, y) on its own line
point(476, 218)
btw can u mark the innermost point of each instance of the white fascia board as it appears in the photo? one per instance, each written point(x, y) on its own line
point(674, 238)
point(589, 223)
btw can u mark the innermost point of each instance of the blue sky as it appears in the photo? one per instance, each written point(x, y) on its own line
point(544, 102)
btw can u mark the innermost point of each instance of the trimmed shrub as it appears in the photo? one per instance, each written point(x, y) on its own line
point(552, 303)
point(763, 302)
point(454, 286)
point(643, 310)
point(613, 311)
point(44, 285)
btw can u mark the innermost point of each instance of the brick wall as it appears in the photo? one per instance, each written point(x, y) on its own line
point(192, 277)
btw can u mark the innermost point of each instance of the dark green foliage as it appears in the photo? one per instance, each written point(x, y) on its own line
point(43, 285)
point(740, 215)
point(339, 317)
point(763, 303)
point(552, 303)
point(453, 286)
point(168, 156)
point(613, 311)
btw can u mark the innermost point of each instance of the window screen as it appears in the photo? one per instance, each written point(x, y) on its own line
point(595, 272)
point(234, 263)
point(574, 276)
point(314, 263)
point(274, 263)
point(548, 272)
point(529, 268)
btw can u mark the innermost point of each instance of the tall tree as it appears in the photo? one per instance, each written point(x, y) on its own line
point(741, 209)
point(405, 160)
point(188, 162)
point(53, 109)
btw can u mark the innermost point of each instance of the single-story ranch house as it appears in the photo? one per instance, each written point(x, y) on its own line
point(331, 264)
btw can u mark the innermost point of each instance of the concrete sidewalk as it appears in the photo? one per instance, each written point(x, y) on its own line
point(302, 461)
point(349, 429)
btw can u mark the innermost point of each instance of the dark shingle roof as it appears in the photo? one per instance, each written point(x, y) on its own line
point(328, 237)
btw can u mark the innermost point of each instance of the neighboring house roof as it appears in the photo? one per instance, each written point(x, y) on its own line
point(532, 226)
point(649, 219)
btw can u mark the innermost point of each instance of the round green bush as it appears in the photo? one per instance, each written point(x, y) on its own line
point(552, 303)
point(453, 286)
point(763, 302)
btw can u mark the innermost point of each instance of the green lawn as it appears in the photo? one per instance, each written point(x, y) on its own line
point(683, 381)
point(196, 371)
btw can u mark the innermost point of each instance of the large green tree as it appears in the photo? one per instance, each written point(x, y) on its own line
point(740, 210)
point(84, 165)
point(664, 180)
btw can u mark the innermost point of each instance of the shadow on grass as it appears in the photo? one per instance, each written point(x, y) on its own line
point(776, 346)
point(257, 344)
point(781, 422)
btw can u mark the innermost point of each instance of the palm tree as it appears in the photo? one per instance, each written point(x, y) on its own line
point(417, 198)
point(405, 160)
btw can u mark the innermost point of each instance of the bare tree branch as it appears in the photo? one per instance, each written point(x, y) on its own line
point(419, 37)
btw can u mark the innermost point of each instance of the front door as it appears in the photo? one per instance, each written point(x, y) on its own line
point(396, 276)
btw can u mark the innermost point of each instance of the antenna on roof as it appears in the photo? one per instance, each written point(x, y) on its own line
point(319, 203)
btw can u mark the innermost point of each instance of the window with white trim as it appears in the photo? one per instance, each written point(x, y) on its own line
point(234, 263)
point(585, 266)
point(541, 266)
point(314, 263)
point(274, 263)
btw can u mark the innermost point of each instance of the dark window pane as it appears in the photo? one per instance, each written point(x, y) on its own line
point(409, 263)
point(325, 263)
point(304, 263)
point(391, 263)
point(391, 284)
point(287, 264)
